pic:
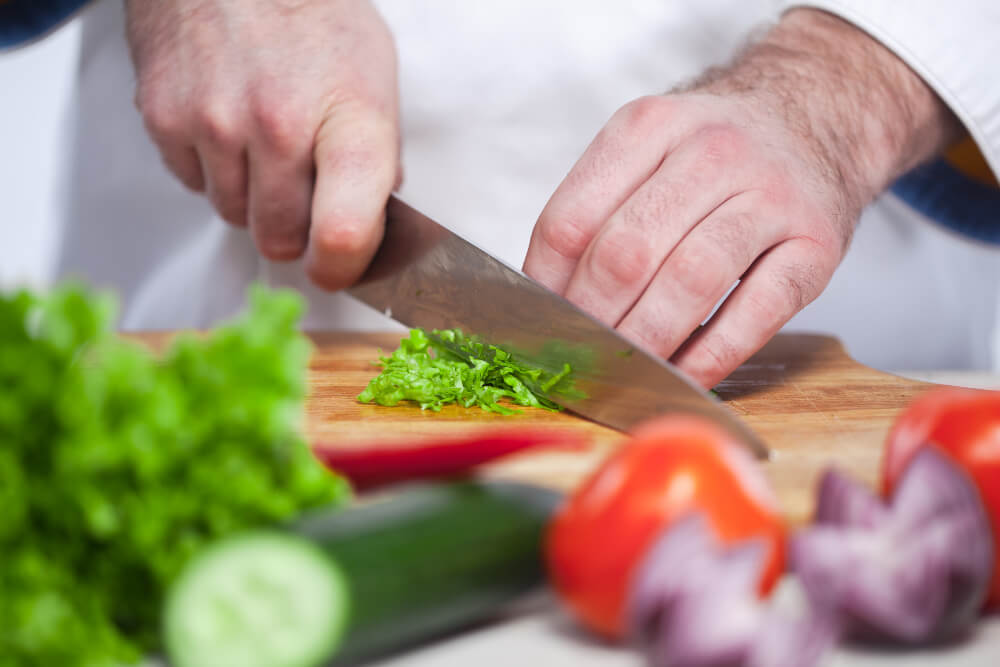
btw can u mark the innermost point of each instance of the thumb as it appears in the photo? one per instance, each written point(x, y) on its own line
point(357, 166)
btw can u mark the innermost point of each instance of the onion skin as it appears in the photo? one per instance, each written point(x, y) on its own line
point(694, 603)
point(915, 571)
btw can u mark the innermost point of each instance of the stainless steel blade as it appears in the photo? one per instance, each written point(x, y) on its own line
point(426, 276)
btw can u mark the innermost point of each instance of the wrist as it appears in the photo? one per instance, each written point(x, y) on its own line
point(866, 115)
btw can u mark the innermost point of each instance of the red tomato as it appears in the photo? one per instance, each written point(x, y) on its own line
point(965, 424)
point(671, 466)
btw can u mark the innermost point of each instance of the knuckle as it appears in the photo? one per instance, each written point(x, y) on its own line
point(799, 285)
point(734, 240)
point(720, 355)
point(833, 236)
point(827, 233)
point(339, 238)
point(160, 119)
point(360, 160)
point(789, 291)
point(146, 95)
point(280, 123)
point(796, 290)
point(360, 147)
point(696, 272)
point(192, 181)
point(321, 276)
point(217, 124)
point(619, 260)
point(331, 275)
point(648, 326)
point(281, 249)
point(280, 237)
point(229, 202)
point(321, 273)
point(359, 122)
point(825, 240)
point(770, 306)
point(643, 113)
point(231, 209)
point(565, 236)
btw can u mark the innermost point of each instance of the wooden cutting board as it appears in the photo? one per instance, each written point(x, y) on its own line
point(812, 404)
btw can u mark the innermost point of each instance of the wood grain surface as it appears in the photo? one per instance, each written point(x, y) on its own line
point(812, 404)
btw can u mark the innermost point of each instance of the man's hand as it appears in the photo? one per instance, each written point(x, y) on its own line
point(755, 175)
point(284, 111)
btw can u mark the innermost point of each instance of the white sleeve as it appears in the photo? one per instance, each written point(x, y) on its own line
point(953, 46)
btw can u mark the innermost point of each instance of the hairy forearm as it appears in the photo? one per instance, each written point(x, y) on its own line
point(867, 115)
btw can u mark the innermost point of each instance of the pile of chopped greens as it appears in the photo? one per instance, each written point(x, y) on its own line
point(117, 464)
point(449, 367)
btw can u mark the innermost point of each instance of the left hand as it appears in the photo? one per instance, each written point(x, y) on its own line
point(755, 178)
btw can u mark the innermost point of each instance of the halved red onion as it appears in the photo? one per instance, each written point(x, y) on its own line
point(916, 571)
point(844, 501)
point(694, 604)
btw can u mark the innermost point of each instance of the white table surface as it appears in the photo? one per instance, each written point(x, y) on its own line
point(540, 635)
point(544, 637)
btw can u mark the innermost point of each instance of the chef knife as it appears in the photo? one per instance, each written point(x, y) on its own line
point(424, 275)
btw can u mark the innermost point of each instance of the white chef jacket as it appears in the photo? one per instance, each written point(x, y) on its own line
point(499, 99)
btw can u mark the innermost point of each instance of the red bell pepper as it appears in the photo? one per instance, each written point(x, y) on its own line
point(377, 465)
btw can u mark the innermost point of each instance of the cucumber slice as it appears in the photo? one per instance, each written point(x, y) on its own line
point(351, 584)
point(261, 600)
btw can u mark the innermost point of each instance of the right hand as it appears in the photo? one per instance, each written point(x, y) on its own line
point(285, 112)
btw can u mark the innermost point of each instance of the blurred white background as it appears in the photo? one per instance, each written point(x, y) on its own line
point(35, 86)
point(35, 97)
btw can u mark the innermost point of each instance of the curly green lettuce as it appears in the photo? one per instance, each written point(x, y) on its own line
point(117, 464)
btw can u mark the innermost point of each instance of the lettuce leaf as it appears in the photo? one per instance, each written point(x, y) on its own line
point(447, 366)
point(117, 464)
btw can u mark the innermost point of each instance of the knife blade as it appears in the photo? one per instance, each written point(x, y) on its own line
point(426, 276)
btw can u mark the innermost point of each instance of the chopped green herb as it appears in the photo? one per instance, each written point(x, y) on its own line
point(116, 465)
point(449, 367)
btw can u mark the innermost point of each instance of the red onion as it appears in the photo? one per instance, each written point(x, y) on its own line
point(694, 604)
point(845, 501)
point(914, 571)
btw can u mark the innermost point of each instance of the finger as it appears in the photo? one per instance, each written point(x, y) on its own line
point(697, 274)
point(622, 157)
point(170, 135)
point(225, 171)
point(779, 284)
point(183, 162)
point(356, 159)
point(167, 129)
point(701, 174)
point(280, 196)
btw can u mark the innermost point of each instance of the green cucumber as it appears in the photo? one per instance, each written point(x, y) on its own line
point(345, 585)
